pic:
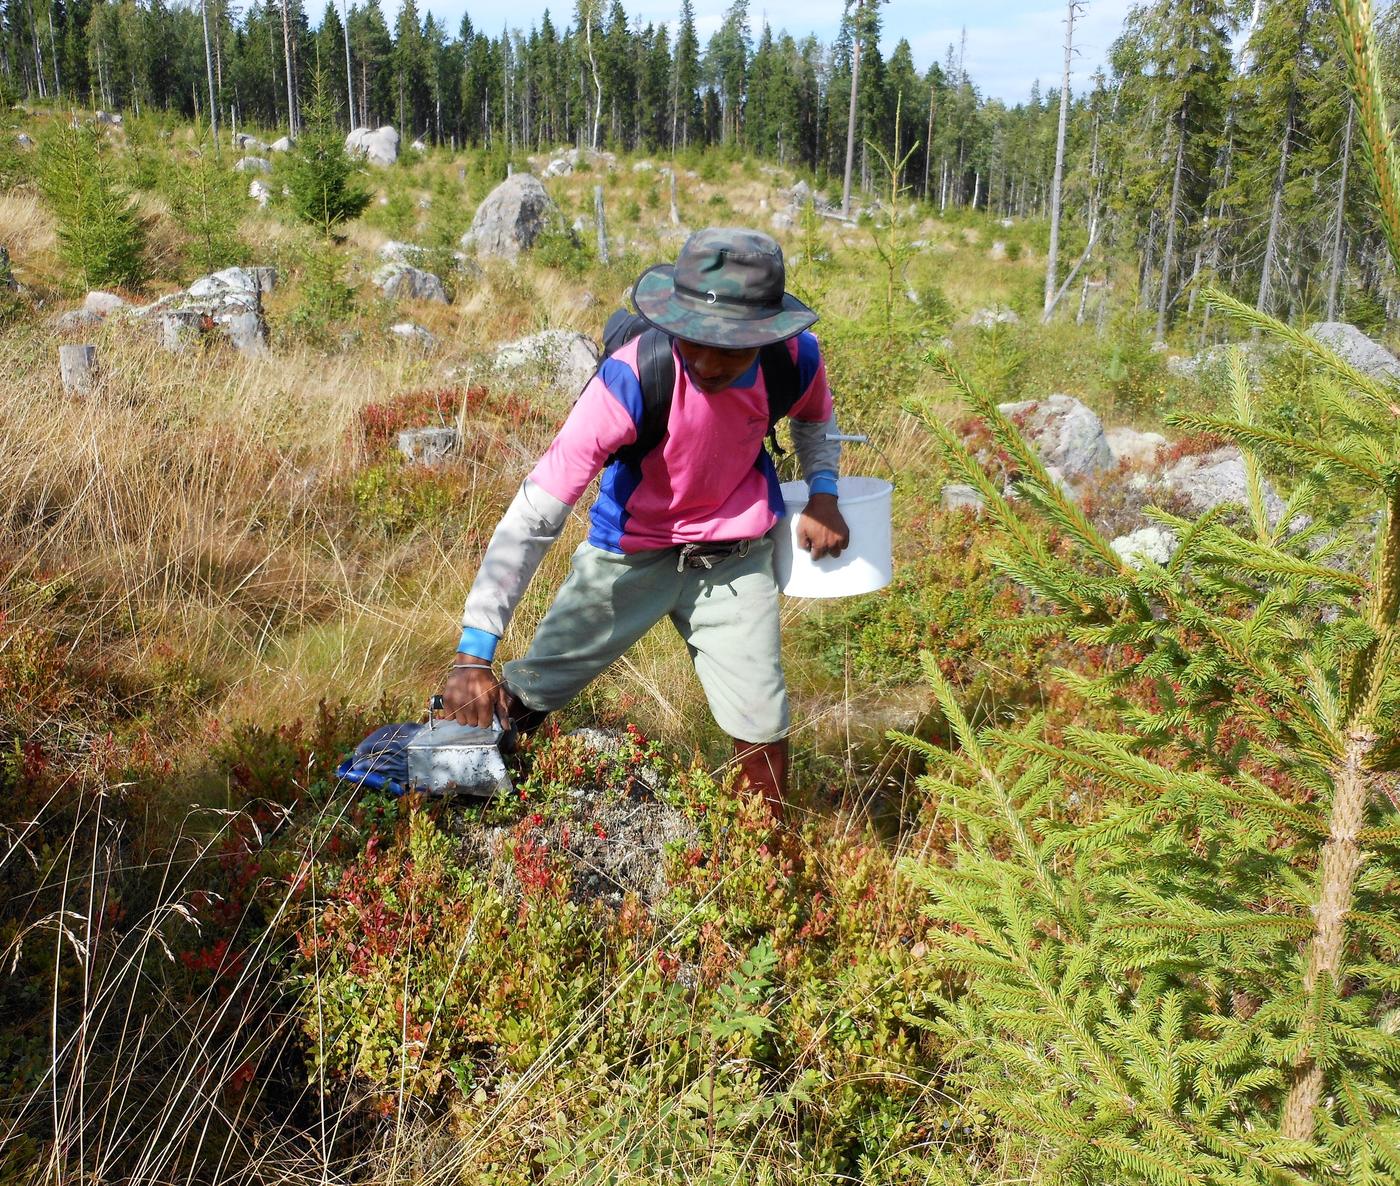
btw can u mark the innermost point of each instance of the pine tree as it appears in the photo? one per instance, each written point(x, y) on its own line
point(1190, 976)
point(100, 234)
point(322, 178)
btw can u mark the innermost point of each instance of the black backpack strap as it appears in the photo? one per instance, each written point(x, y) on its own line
point(656, 370)
point(783, 384)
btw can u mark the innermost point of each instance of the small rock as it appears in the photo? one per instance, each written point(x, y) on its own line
point(782, 221)
point(800, 195)
point(1153, 543)
point(259, 192)
point(1366, 355)
point(246, 143)
point(395, 252)
point(24, 140)
point(103, 303)
point(986, 318)
point(76, 319)
point(563, 359)
point(642, 167)
point(998, 250)
point(282, 144)
point(252, 164)
point(378, 146)
point(1133, 447)
point(414, 335)
point(107, 119)
point(559, 167)
point(405, 282)
point(1006, 222)
point(958, 497)
point(418, 146)
point(1065, 434)
point(428, 446)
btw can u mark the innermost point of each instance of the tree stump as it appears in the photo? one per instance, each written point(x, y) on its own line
point(77, 368)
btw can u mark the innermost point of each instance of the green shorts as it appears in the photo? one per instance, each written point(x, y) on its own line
point(727, 615)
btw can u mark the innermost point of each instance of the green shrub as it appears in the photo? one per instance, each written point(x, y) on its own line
point(558, 247)
point(325, 190)
point(324, 299)
point(100, 235)
point(205, 197)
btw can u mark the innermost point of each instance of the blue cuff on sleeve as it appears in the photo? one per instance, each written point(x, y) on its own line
point(822, 482)
point(480, 643)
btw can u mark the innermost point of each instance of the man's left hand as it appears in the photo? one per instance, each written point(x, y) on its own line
point(821, 529)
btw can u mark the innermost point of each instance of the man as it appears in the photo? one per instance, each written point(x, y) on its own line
point(681, 531)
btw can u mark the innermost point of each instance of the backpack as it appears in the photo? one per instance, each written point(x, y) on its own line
point(656, 369)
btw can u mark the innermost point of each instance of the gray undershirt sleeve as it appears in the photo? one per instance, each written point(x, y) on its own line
point(814, 452)
point(525, 533)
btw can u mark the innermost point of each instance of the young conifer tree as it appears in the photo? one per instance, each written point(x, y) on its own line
point(205, 197)
point(1178, 928)
point(325, 191)
point(100, 234)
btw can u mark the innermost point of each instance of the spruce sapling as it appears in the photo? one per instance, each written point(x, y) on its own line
point(100, 234)
point(1177, 927)
point(322, 178)
point(205, 197)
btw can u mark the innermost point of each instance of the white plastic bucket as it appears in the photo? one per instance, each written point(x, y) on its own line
point(863, 567)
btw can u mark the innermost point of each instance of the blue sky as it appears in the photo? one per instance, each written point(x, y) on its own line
point(1010, 43)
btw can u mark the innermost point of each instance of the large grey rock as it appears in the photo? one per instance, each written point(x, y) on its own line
point(228, 302)
point(1153, 543)
point(782, 220)
point(511, 218)
point(246, 143)
point(1213, 364)
point(558, 167)
point(282, 144)
point(258, 191)
point(1366, 355)
point(404, 282)
point(1208, 480)
point(560, 358)
point(379, 146)
point(252, 164)
point(395, 252)
point(428, 446)
point(801, 194)
point(1064, 433)
point(1132, 447)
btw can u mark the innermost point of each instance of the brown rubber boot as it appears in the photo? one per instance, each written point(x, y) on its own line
point(764, 766)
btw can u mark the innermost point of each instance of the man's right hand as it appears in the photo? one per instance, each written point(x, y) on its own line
point(473, 695)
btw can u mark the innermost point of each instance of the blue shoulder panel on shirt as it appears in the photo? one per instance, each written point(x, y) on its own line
point(808, 360)
point(622, 383)
point(609, 512)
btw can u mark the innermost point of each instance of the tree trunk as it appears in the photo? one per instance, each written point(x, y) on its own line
point(928, 141)
point(851, 123)
point(1052, 256)
point(349, 70)
point(1334, 279)
point(291, 73)
point(209, 71)
point(1264, 301)
point(1169, 250)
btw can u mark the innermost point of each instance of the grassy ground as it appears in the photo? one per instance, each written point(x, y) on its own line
point(233, 970)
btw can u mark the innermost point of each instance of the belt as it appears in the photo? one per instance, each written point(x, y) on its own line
point(707, 555)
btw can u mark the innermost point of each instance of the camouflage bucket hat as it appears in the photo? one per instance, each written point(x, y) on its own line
point(726, 289)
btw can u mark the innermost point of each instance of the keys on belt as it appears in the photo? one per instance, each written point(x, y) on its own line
point(708, 555)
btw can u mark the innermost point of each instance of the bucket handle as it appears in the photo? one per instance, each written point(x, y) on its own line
point(860, 438)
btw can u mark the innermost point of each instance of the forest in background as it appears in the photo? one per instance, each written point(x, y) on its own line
point(1215, 148)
